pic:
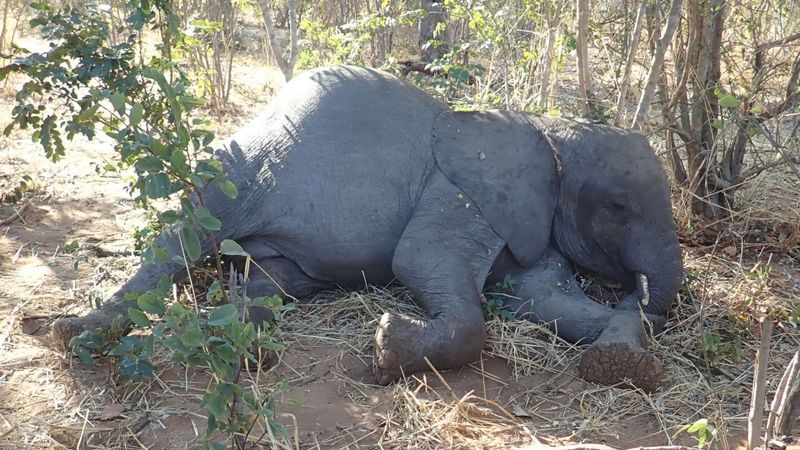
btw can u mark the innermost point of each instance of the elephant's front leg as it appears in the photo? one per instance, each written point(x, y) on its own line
point(617, 353)
point(443, 257)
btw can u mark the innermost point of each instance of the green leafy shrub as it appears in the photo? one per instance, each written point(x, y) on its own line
point(84, 84)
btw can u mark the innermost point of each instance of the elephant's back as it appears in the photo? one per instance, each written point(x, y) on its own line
point(342, 153)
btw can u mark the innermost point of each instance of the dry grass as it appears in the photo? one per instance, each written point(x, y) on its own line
point(697, 384)
point(552, 406)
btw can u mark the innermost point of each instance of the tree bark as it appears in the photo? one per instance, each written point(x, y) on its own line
point(5, 41)
point(626, 75)
point(758, 393)
point(657, 64)
point(431, 42)
point(286, 65)
point(552, 12)
point(584, 80)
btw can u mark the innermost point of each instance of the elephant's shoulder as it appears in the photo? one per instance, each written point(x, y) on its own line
point(507, 166)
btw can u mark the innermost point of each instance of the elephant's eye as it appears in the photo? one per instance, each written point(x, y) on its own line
point(618, 205)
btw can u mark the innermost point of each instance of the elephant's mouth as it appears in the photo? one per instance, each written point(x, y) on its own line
point(643, 288)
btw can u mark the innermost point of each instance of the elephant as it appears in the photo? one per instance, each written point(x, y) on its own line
point(353, 174)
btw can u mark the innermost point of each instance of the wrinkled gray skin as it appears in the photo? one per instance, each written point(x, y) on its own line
point(353, 174)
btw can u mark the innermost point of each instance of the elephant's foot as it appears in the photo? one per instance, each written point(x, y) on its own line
point(66, 328)
point(613, 363)
point(620, 357)
point(397, 348)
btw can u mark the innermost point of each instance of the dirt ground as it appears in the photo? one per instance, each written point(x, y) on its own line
point(49, 400)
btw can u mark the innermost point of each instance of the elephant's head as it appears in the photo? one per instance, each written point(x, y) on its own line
point(614, 215)
point(607, 204)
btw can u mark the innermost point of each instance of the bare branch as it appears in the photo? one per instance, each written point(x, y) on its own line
point(584, 80)
point(286, 65)
point(776, 43)
point(780, 149)
point(553, 14)
point(657, 64)
point(634, 45)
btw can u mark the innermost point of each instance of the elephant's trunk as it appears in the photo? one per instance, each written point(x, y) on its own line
point(657, 273)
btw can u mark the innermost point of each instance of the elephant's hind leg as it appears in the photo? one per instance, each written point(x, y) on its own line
point(617, 353)
point(443, 257)
point(275, 275)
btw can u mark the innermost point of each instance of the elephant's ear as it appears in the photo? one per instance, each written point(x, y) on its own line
point(505, 164)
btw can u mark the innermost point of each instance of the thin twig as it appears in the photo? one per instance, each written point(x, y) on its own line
point(17, 215)
point(756, 415)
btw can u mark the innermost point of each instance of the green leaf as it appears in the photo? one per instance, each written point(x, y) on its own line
point(193, 336)
point(138, 317)
point(149, 164)
point(214, 292)
point(169, 217)
point(699, 425)
point(191, 243)
point(231, 248)
point(197, 181)
point(157, 186)
point(137, 111)
point(164, 288)
point(228, 188)
point(84, 355)
point(150, 303)
point(178, 160)
point(272, 302)
point(210, 223)
point(729, 101)
point(206, 220)
point(226, 353)
point(201, 211)
point(87, 113)
point(161, 254)
point(118, 101)
point(223, 315)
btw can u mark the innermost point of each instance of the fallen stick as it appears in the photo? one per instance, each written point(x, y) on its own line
point(600, 447)
point(778, 405)
point(15, 216)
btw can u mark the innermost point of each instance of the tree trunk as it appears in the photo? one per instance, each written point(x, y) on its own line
point(552, 12)
point(5, 41)
point(584, 80)
point(657, 64)
point(626, 75)
point(286, 65)
point(431, 39)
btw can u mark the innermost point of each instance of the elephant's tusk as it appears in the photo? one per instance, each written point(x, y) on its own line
point(644, 290)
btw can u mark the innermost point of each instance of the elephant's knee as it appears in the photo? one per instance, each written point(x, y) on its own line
point(405, 262)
